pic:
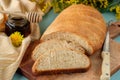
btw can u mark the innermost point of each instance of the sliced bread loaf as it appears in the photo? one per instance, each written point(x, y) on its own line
point(62, 60)
point(80, 24)
point(53, 45)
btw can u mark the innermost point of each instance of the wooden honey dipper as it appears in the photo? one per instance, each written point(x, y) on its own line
point(33, 17)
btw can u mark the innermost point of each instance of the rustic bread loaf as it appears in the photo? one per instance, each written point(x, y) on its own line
point(77, 28)
point(79, 24)
point(53, 45)
point(62, 60)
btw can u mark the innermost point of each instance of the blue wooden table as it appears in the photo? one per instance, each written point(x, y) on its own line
point(47, 19)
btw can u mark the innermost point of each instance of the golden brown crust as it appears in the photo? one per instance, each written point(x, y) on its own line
point(61, 71)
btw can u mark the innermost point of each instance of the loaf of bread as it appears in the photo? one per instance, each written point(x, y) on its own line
point(77, 30)
point(79, 24)
point(54, 45)
point(62, 60)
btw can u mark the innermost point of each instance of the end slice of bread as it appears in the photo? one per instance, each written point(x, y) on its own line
point(63, 60)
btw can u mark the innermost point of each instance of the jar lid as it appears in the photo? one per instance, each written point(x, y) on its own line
point(17, 21)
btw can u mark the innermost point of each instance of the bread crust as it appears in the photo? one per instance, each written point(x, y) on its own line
point(61, 71)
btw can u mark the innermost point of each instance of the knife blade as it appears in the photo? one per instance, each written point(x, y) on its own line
point(106, 59)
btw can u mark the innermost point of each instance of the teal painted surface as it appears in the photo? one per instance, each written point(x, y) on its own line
point(116, 76)
point(117, 39)
point(47, 19)
point(19, 77)
point(109, 17)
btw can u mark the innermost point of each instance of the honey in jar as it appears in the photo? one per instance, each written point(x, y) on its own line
point(16, 23)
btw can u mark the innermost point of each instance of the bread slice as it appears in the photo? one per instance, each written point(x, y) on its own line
point(53, 45)
point(62, 60)
point(79, 24)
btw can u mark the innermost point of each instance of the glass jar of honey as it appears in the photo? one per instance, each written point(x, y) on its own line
point(16, 23)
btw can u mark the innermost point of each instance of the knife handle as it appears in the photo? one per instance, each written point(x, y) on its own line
point(105, 66)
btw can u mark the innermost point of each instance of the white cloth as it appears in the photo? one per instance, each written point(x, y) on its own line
point(10, 56)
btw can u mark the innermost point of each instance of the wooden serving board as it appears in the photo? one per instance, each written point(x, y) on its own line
point(92, 74)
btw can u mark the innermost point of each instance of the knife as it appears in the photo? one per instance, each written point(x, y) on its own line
point(106, 59)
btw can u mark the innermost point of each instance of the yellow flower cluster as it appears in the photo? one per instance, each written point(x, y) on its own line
point(16, 38)
point(96, 3)
point(46, 5)
point(118, 12)
point(38, 1)
point(59, 5)
point(71, 1)
point(116, 9)
point(104, 3)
